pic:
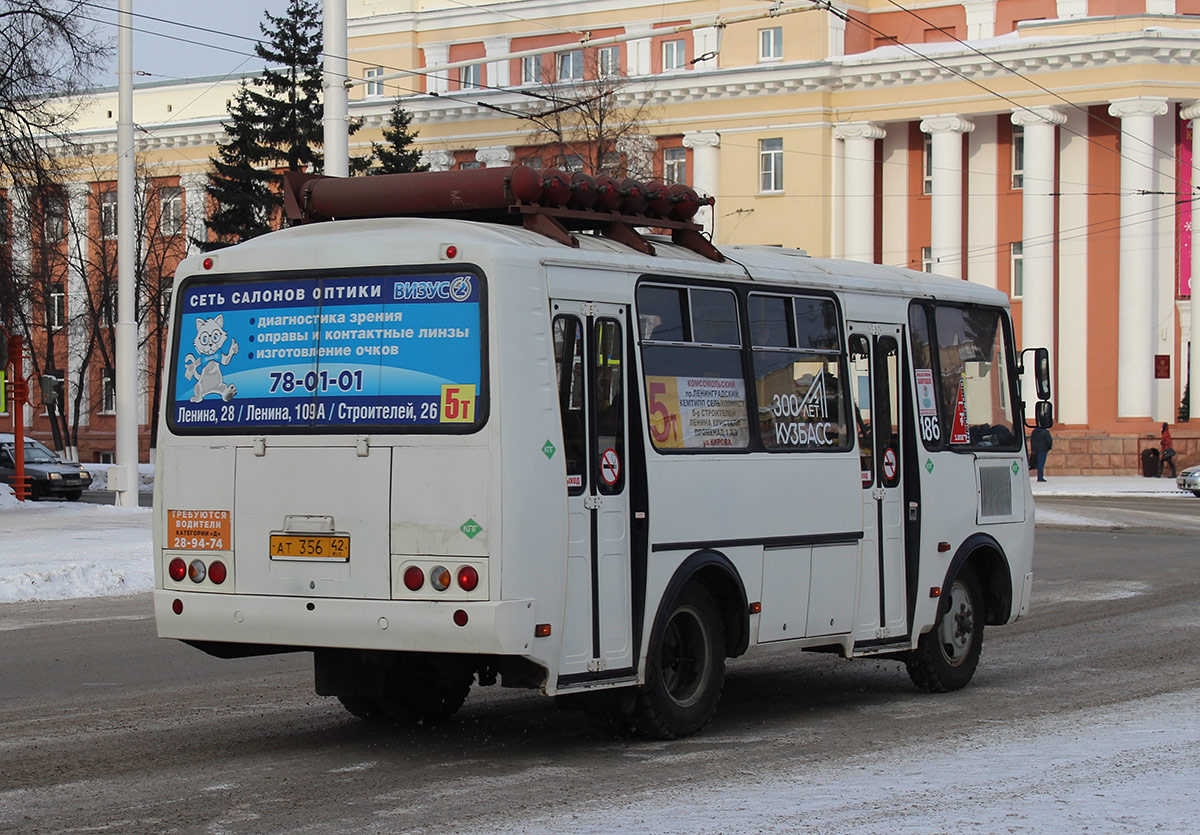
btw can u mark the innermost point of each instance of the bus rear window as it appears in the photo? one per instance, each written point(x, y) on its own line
point(331, 353)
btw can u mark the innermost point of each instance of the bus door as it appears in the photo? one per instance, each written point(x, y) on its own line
point(875, 373)
point(589, 342)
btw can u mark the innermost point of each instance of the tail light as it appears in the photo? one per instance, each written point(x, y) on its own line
point(414, 578)
point(468, 578)
point(177, 569)
point(217, 572)
point(439, 577)
point(197, 571)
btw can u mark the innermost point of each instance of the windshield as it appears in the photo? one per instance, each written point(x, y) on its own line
point(35, 453)
point(335, 353)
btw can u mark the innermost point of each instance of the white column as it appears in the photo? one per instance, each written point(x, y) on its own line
point(1165, 7)
point(706, 172)
point(858, 204)
point(497, 70)
point(1072, 8)
point(895, 198)
point(438, 160)
point(437, 54)
point(836, 24)
point(1037, 231)
point(637, 52)
point(1136, 298)
point(1192, 114)
point(78, 256)
point(983, 161)
point(1070, 388)
point(495, 156)
point(706, 41)
point(195, 203)
point(946, 205)
point(981, 18)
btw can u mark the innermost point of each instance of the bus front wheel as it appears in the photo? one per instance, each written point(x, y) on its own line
point(685, 668)
point(947, 655)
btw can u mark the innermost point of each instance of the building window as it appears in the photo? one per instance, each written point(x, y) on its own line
point(106, 458)
point(108, 301)
point(108, 215)
point(770, 44)
point(533, 162)
point(927, 165)
point(770, 165)
point(374, 88)
point(926, 259)
point(55, 225)
point(531, 69)
point(570, 65)
point(1018, 156)
point(170, 203)
point(608, 61)
point(471, 76)
point(56, 307)
point(1017, 261)
point(469, 164)
point(674, 55)
point(572, 162)
point(108, 392)
point(165, 302)
point(675, 165)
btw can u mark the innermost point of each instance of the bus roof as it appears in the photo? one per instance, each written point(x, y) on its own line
point(392, 242)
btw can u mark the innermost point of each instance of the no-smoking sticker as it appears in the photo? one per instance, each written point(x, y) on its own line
point(610, 467)
point(889, 463)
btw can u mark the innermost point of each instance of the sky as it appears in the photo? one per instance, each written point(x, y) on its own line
point(187, 52)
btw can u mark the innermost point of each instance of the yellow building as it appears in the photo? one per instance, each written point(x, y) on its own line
point(1037, 146)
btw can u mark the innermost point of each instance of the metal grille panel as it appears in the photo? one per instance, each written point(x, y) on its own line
point(995, 491)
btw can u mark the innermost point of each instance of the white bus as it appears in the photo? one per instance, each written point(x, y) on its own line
point(432, 451)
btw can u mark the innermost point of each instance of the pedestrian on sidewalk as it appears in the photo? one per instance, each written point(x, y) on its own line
point(1168, 452)
point(1040, 444)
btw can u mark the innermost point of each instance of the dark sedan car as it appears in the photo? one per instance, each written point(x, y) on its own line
point(49, 476)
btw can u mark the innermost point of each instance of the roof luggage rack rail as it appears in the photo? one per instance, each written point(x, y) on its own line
point(550, 202)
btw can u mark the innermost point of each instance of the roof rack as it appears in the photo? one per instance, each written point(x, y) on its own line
point(550, 202)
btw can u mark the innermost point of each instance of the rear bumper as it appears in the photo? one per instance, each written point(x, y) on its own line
point(492, 628)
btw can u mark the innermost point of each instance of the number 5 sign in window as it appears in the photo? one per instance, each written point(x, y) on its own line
point(458, 404)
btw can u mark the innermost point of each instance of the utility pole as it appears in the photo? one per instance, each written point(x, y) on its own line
point(123, 478)
point(336, 96)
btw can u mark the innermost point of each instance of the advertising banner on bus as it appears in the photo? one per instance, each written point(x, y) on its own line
point(338, 352)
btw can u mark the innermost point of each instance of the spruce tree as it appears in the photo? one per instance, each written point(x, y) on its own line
point(397, 156)
point(275, 122)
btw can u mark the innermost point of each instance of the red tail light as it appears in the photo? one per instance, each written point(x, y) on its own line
point(177, 569)
point(414, 578)
point(217, 572)
point(468, 578)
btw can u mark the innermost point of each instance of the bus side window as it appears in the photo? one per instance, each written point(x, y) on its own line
point(568, 361)
point(610, 400)
point(860, 373)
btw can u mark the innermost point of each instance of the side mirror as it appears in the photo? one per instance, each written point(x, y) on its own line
point(1041, 372)
point(1044, 414)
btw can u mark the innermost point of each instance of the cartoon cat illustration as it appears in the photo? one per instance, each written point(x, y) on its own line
point(210, 336)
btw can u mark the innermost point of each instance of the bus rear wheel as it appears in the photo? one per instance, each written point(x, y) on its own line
point(685, 668)
point(426, 692)
point(947, 655)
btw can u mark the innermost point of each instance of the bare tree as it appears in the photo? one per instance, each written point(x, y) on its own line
point(48, 53)
point(593, 121)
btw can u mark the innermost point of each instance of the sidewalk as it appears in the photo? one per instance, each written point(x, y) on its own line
point(1115, 485)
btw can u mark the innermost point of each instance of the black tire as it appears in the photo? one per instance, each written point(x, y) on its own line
point(363, 708)
point(947, 655)
point(422, 692)
point(1196, 493)
point(73, 496)
point(685, 668)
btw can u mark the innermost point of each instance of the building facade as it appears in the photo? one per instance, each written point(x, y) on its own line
point(1043, 147)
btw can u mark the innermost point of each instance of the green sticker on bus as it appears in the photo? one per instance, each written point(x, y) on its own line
point(548, 449)
point(929, 465)
point(471, 528)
